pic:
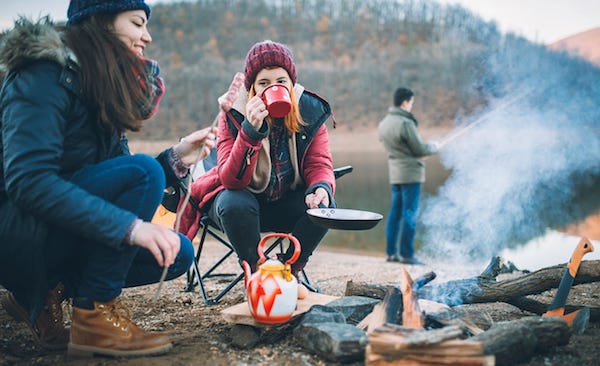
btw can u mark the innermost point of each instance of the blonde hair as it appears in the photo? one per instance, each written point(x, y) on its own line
point(293, 120)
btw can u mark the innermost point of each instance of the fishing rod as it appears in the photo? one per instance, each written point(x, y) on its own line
point(463, 130)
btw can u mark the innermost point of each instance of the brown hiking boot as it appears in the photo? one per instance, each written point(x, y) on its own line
point(49, 329)
point(105, 328)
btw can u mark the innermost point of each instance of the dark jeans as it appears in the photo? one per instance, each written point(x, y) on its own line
point(99, 271)
point(404, 208)
point(243, 218)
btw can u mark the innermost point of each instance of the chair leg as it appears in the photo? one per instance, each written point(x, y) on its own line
point(306, 282)
point(195, 271)
point(195, 276)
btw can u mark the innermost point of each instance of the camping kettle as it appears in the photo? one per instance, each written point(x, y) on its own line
point(272, 291)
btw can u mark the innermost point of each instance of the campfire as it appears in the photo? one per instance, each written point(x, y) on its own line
point(404, 330)
point(415, 342)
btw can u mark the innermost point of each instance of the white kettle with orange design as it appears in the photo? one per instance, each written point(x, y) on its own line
point(272, 291)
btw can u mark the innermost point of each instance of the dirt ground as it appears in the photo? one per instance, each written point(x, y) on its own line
point(202, 337)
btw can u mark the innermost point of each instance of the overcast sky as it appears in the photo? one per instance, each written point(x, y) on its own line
point(538, 20)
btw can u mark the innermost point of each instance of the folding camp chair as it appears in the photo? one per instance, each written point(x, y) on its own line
point(208, 228)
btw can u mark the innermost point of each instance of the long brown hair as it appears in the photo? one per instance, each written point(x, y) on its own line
point(107, 73)
point(293, 120)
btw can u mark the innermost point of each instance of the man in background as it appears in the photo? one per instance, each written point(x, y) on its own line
point(398, 133)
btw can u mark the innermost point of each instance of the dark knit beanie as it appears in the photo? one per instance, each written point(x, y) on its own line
point(81, 9)
point(268, 53)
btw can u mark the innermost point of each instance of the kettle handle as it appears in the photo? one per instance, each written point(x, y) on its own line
point(293, 240)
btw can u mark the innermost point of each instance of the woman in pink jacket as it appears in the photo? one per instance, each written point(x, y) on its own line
point(270, 170)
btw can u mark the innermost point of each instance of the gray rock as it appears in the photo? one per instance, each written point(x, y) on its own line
point(333, 341)
point(354, 308)
point(322, 314)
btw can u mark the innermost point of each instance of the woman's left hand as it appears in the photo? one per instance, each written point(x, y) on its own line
point(196, 146)
point(320, 196)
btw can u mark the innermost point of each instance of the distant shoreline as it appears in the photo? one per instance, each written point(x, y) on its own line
point(341, 139)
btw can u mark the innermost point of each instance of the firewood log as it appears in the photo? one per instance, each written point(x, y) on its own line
point(516, 341)
point(484, 288)
point(399, 345)
point(412, 316)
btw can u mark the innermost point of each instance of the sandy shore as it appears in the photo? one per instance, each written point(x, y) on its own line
point(330, 270)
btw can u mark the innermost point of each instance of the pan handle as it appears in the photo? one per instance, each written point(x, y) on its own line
point(341, 171)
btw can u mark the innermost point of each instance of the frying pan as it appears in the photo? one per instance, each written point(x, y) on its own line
point(343, 218)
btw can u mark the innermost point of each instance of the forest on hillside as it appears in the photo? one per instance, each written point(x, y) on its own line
point(354, 53)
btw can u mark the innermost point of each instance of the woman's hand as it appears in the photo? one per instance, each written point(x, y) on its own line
point(320, 196)
point(196, 146)
point(256, 111)
point(161, 241)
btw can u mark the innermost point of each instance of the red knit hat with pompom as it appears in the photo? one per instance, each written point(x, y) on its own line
point(268, 53)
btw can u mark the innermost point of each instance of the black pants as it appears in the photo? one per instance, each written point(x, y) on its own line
point(243, 217)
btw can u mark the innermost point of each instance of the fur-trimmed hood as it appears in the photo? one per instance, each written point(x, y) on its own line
point(30, 40)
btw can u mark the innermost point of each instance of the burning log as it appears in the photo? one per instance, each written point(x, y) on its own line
point(485, 288)
point(439, 315)
point(387, 311)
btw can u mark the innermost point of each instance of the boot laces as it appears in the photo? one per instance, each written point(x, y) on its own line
point(117, 312)
point(54, 304)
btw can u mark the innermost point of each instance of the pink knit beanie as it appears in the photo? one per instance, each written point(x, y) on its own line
point(268, 53)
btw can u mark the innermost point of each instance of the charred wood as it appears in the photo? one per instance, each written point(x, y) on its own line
point(485, 288)
point(516, 341)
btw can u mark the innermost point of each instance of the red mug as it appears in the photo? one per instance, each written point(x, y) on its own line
point(277, 100)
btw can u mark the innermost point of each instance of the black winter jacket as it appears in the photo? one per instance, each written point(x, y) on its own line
point(47, 134)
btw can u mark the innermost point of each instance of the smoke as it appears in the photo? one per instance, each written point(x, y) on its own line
point(530, 164)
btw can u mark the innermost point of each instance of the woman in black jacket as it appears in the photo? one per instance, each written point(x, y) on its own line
point(75, 205)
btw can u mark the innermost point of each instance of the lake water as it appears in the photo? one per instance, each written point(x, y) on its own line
point(367, 188)
point(552, 248)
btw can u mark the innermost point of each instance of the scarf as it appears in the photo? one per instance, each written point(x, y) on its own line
point(153, 88)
